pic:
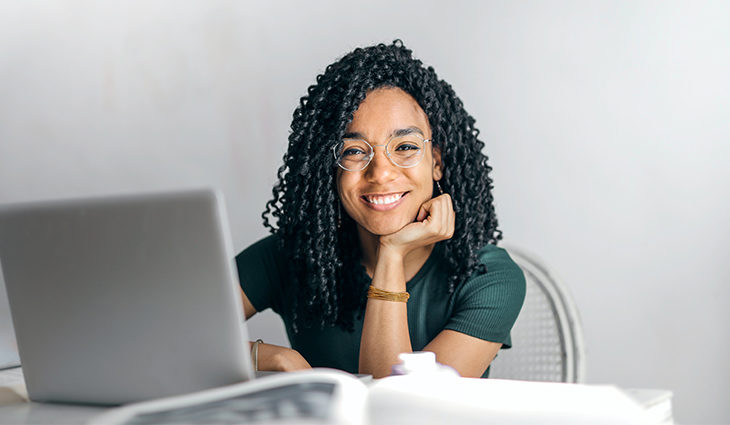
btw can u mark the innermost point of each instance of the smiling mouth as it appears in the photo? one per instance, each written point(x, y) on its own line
point(388, 199)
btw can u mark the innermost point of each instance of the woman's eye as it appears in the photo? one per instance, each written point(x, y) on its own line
point(353, 151)
point(407, 147)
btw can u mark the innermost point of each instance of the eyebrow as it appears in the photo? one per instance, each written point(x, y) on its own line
point(396, 133)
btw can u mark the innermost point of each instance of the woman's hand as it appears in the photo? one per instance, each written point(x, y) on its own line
point(280, 359)
point(434, 223)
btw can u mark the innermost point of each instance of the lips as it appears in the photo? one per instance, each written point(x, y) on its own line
point(383, 199)
point(382, 202)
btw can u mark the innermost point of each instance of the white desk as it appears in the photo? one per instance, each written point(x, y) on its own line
point(15, 408)
point(45, 413)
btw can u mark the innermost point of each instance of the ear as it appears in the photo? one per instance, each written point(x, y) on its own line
point(437, 165)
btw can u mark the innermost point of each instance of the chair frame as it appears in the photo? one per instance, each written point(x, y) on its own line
point(570, 328)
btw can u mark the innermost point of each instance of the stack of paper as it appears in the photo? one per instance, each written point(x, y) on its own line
point(420, 400)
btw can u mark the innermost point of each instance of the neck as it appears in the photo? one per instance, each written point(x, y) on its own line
point(370, 243)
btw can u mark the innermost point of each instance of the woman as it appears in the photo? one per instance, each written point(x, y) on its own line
point(384, 231)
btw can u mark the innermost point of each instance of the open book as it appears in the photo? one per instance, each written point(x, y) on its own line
point(314, 396)
point(327, 396)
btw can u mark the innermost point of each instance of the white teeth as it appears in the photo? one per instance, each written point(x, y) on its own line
point(383, 200)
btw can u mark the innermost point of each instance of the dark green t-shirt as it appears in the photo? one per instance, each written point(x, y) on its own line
point(485, 306)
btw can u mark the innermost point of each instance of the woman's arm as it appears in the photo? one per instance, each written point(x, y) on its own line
point(385, 325)
point(274, 357)
point(470, 356)
point(248, 308)
point(385, 335)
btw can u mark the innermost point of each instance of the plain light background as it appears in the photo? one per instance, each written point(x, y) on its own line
point(607, 124)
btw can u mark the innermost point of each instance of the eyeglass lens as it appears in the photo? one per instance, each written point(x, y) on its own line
point(405, 151)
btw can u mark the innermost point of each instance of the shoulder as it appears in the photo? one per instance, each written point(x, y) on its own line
point(486, 304)
point(268, 245)
point(503, 279)
point(263, 258)
point(497, 260)
point(261, 271)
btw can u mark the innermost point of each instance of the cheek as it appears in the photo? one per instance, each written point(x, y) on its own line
point(340, 183)
point(424, 177)
point(345, 185)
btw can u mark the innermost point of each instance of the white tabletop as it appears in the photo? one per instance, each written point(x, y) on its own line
point(15, 408)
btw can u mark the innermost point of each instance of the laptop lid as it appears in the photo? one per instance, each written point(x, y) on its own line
point(8, 347)
point(124, 298)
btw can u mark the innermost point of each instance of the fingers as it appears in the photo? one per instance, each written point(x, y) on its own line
point(434, 222)
point(422, 213)
point(448, 216)
point(438, 214)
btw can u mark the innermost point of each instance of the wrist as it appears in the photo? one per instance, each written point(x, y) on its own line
point(255, 353)
point(390, 253)
point(389, 273)
point(289, 359)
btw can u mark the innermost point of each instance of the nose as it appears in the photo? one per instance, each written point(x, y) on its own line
point(380, 169)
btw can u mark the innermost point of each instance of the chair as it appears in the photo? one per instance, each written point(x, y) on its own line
point(547, 338)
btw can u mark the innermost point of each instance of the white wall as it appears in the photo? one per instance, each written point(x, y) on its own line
point(607, 124)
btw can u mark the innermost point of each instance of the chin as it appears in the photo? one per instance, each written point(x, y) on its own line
point(381, 229)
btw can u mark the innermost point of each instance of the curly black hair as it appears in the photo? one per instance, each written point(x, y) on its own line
point(327, 284)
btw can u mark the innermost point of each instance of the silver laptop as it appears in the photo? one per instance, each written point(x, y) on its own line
point(8, 347)
point(123, 299)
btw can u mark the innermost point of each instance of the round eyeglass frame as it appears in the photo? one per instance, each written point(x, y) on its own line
point(372, 154)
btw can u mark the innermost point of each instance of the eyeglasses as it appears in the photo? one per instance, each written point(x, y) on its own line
point(403, 151)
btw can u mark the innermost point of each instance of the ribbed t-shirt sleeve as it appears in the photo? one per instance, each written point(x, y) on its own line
point(487, 305)
point(259, 272)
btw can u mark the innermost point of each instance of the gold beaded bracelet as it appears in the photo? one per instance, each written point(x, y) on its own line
point(379, 294)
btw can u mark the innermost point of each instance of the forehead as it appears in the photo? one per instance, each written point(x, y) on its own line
point(386, 110)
